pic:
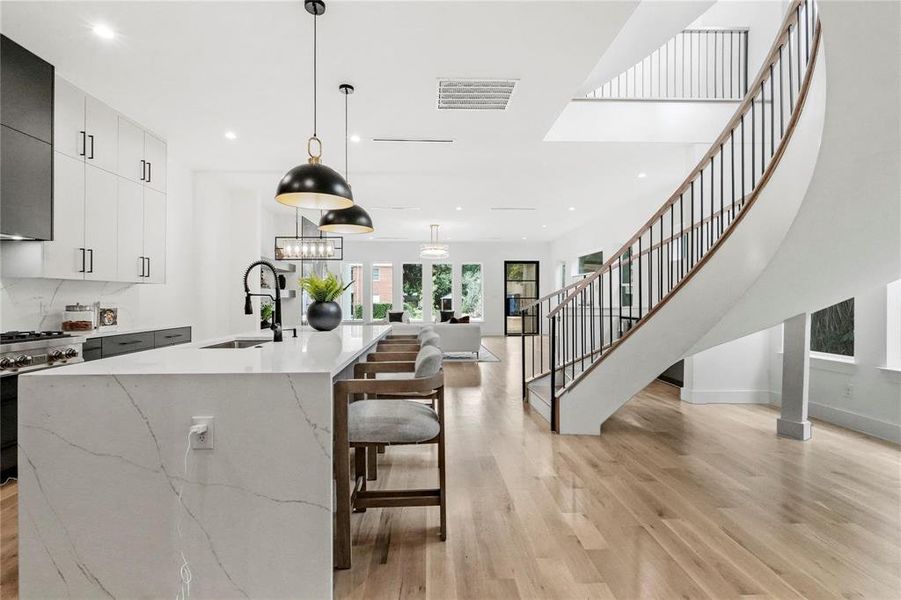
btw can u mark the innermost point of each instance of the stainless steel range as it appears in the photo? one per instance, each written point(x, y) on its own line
point(23, 352)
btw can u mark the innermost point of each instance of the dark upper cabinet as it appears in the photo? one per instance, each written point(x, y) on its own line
point(26, 143)
point(26, 186)
point(26, 91)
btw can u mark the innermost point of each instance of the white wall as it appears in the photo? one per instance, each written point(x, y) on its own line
point(735, 372)
point(491, 255)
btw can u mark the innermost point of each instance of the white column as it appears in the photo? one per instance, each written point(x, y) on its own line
point(367, 291)
point(795, 378)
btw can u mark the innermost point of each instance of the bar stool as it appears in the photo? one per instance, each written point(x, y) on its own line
point(409, 337)
point(379, 420)
point(429, 338)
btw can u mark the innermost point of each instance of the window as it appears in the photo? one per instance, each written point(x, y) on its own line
point(832, 329)
point(352, 299)
point(412, 290)
point(589, 263)
point(442, 288)
point(382, 282)
point(472, 291)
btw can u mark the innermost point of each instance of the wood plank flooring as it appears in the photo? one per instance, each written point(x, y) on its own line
point(673, 500)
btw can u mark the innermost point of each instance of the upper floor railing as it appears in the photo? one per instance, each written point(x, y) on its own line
point(578, 326)
point(696, 64)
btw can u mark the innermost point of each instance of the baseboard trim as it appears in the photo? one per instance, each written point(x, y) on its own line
point(725, 396)
point(850, 420)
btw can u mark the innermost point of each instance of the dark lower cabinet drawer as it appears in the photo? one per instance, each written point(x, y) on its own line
point(170, 337)
point(91, 354)
point(123, 344)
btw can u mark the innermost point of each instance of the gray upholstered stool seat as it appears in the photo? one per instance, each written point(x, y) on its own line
point(391, 422)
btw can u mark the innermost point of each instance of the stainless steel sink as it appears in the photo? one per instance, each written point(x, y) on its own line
point(237, 344)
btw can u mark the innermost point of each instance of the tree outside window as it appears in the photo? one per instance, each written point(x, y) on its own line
point(442, 288)
point(471, 288)
point(412, 290)
point(832, 329)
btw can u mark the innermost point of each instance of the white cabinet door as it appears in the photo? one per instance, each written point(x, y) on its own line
point(155, 235)
point(131, 151)
point(63, 256)
point(102, 126)
point(130, 231)
point(155, 155)
point(100, 222)
point(68, 119)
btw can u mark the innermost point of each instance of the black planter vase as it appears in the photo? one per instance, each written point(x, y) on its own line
point(324, 316)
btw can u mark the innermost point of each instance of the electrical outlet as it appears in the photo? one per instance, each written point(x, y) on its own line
point(849, 391)
point(202, 441)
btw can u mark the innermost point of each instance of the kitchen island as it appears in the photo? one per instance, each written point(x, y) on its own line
point(103, 448)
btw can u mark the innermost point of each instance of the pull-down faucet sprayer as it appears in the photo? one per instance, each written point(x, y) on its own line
point(279, 285)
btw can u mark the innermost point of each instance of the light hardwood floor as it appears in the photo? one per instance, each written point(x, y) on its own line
point(673, 500)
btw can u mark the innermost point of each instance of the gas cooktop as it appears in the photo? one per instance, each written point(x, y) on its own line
point(9, 337)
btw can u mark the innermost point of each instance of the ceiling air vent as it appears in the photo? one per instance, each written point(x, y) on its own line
point(474, 94)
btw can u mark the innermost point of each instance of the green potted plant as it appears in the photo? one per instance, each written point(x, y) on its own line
point(265, 315)
point(323, 313)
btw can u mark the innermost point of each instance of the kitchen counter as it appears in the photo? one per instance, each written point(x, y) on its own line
point(310, 352)
point(102, 449)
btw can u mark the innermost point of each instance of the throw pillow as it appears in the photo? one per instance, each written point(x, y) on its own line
point(446, 315)
point(463, 319)
point(396, 317)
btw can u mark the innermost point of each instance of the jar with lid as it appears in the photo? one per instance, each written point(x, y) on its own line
point(79, 317)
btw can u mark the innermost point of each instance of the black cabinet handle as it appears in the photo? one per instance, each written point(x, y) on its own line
point(149, 171)
point(91, 137)
point(84, 143)
point(91, 252)
point(82, 260)
point(170, 337)
point(148, 266)
point(143, 169)
point(129, 343)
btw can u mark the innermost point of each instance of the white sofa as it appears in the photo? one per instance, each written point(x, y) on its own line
point(455, 337)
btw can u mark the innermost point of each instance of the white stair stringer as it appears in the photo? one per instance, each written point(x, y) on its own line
point(689, 313)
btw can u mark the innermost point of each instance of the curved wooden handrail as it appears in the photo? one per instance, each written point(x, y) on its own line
point(752, 197)
point(772, 57)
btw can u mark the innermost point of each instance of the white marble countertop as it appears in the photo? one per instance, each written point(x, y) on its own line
point(310, 352)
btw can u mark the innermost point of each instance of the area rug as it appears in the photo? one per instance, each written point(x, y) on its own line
point(485, 355)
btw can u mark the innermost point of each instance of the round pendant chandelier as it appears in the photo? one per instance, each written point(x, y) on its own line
point(314, 185)
point(346, 220)
point(433, 249)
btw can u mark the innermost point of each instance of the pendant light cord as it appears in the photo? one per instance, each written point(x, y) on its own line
point(346, 163)
point(315, 20)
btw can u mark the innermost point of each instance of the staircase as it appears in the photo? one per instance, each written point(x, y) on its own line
point(589, 347)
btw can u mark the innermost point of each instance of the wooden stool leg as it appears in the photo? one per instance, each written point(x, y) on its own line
point(341, 458)
point(360, 453)
point(442, 480)
point(372, 459)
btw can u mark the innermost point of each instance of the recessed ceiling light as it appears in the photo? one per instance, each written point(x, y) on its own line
point(523, 237)
point(459, 208)
point(355, 138)
point(544, 226)
point(642, 175)
point(572, 208)
point(231, 135)
point(104, 31)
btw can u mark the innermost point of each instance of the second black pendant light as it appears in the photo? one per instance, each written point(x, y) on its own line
point(348, 220)
point(314, 185)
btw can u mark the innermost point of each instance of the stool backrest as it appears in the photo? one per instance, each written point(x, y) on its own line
point(428, 362)
point(430, 339)
point(426, 330)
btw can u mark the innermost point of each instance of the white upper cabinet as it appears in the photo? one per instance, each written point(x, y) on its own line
point(155, 236)
point(102, 126)
point(69, 135)
point(155, 155)
point(65, 257)
point(100, 217)
point(131, 151)
point(130, 231)
point(109, 198)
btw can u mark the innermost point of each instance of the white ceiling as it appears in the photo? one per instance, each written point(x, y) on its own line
point(192, 70)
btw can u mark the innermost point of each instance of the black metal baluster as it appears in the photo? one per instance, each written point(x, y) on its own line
point(742, 161)
point(753, 133)
point(620, 326)
point(772, 113)
point(683, 251)
point(691, 260)
point(710, 227)
point(610, 307)
point(721, 189)
point(732, 177)
point(762, 128)
point(660, 262)
point(669, 282)
point(701, 248)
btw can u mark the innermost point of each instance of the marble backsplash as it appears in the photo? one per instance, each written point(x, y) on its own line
point(38, 304)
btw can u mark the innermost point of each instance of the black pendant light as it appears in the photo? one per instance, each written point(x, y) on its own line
point(314, 185)
point(348, 220)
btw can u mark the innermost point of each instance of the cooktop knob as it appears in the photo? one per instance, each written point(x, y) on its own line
point(57, 355)
point(71, 352)
point(6, 363)
point(23, 360)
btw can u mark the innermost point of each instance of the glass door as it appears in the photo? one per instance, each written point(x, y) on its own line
point(520, 289)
